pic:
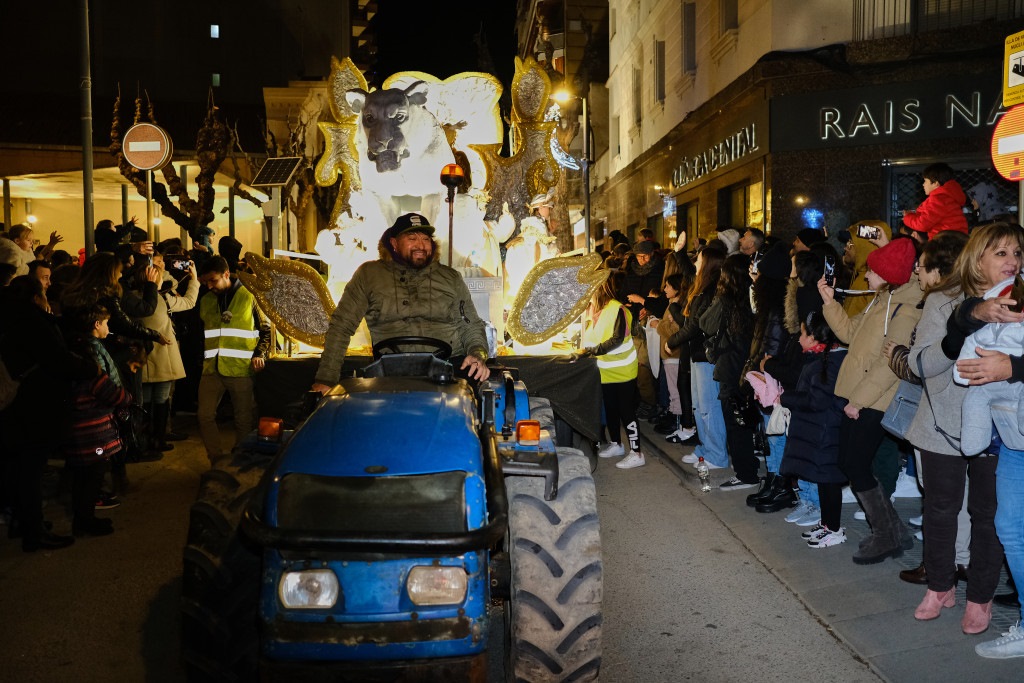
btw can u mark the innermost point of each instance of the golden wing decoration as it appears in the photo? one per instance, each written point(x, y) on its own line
point(554, 293)
point(293, 295)
point(339, 159)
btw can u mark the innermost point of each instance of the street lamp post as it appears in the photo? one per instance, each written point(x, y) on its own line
point(586, 177)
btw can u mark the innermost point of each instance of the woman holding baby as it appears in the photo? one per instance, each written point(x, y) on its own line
point(993, 255)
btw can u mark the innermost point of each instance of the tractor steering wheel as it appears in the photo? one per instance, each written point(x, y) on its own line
point(442, 349)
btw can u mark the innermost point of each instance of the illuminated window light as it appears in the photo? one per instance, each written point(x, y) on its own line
point(215, 80)
point(215, 30)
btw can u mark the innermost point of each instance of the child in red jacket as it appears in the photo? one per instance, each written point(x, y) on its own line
point(943, 207)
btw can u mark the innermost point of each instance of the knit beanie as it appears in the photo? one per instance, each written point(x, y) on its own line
point(644, 247)
point(810, 236)
point(894, 262)
point(731, 239)
point(776, 264)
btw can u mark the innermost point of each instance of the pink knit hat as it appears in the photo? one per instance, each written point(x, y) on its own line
point(894, 262)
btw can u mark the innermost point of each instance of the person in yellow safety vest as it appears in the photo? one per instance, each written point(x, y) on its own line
point(606, 336)
point(236, 346)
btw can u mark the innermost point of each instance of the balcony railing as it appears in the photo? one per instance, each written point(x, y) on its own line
point(875, 19)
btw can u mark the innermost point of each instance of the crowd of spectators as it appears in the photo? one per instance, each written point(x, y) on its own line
point(781, 359)
point(94, 349)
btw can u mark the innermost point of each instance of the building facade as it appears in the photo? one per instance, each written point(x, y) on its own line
point(785, 114)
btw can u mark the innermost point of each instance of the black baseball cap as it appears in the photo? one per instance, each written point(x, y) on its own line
point(412, 222)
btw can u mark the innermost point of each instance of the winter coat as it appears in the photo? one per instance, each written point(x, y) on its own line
point(943, 209)
point(689, 330)
point(164, 362)
point(640, 280)
point(812, 442)
point(865, 379)
point(947, 397)
point(93, 435)
point(33, 349)
point(668, 326)
point(733, 346)
point(856, 303)
point(399, 301)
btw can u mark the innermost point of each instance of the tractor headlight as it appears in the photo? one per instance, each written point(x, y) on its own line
point(437, 585)
point(309, 589)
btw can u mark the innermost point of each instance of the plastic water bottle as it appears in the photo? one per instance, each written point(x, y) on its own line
point(704, 475)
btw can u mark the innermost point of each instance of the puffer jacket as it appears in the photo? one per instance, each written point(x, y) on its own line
point(812, 444)
point(865, 379)
point(164, 362)
point(401, 301)
point(733, 344)
point(942, 210)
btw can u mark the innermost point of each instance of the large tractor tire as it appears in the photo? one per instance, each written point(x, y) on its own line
point(556, 588)
point(221, 576)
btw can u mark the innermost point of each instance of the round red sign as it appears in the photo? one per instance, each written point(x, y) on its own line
point(147, 147)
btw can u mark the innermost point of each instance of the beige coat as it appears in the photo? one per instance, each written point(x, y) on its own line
point(865, 379)
point(164, 363)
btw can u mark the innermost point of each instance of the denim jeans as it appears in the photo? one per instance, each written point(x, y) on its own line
point(1010, 510)
point(710, 421)
point(776, 446)
point(809, 492)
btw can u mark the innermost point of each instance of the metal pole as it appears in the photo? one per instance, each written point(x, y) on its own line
point(86, 105)
point(186, 239)
point(149, 203)
point(586, 178)
point(231, 211)
point(124, 204)
point(7, 204)
point(1020, 200)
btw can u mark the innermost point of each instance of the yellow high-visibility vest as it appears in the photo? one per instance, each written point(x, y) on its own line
point(229, 345)
point(619, 364)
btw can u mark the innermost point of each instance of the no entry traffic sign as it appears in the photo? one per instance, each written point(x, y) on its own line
point(1008, 144)
point(147, 147)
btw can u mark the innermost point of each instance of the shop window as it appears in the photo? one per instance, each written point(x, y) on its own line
point(659, 71)
point(687, 221)
point(689, 37)
point(741, 205)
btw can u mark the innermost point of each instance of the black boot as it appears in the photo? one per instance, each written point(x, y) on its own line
point(780, 496)
point(763, 490)
point(668, 424)
point(158, 427)
point(886, 536)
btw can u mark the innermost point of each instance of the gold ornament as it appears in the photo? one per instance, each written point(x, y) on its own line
point(293, 295)
point(340, 157)
point(555, 292)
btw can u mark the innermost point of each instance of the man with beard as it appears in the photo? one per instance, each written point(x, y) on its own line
point(406, 292)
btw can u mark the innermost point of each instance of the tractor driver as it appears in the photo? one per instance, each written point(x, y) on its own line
point(406, 292)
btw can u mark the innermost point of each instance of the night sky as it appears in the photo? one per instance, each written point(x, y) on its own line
point(420, 37)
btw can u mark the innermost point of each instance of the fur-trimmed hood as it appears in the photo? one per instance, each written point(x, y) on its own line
point(387, 253)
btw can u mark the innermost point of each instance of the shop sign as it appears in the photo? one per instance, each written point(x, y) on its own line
point(734, 147)
point(895, 112)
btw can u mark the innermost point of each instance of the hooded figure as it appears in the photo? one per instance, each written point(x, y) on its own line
point(856, 259)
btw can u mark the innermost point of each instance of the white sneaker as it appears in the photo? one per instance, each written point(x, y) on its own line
point(916, 522)
point(828, 539)
point(689, 459)
point(848, 495)
point(811, 517)
point(799, 511)
point(1010, 645)
point(815, 531)
point(859, 515)
point(919, 535)
point(906, 487)
point(632, 460)
point(611, 450)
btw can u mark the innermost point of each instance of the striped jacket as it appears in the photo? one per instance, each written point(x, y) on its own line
point(93, 436)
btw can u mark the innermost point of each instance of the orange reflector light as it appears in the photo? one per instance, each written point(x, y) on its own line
point(528, 432)
point(270, 429)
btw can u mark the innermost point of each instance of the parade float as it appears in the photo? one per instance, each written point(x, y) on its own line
point(433, 146)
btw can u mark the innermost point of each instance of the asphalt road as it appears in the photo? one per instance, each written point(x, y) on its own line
point(684, 599)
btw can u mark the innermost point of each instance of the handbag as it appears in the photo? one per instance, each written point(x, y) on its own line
point(902, 408)
point(131, 422)
point(778, 423)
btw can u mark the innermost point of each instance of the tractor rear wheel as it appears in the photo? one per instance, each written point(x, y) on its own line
point(221, 576)
point(556, 586)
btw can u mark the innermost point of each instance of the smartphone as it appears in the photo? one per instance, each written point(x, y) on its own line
point(868, 232)
point(180, 264)
point(830, 269)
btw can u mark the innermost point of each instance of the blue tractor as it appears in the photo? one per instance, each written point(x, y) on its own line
point(410, 528)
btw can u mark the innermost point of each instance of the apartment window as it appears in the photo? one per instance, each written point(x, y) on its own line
point(659, 71)
point(215, 80)
point(728, 15)
point(689, 37)
point(611, 23)
point(215, 30)
point(638, 91)
point(613, 141)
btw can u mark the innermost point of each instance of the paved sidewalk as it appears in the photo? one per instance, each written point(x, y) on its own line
point(866, 607)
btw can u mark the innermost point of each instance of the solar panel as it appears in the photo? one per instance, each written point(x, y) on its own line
point(276, 172)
